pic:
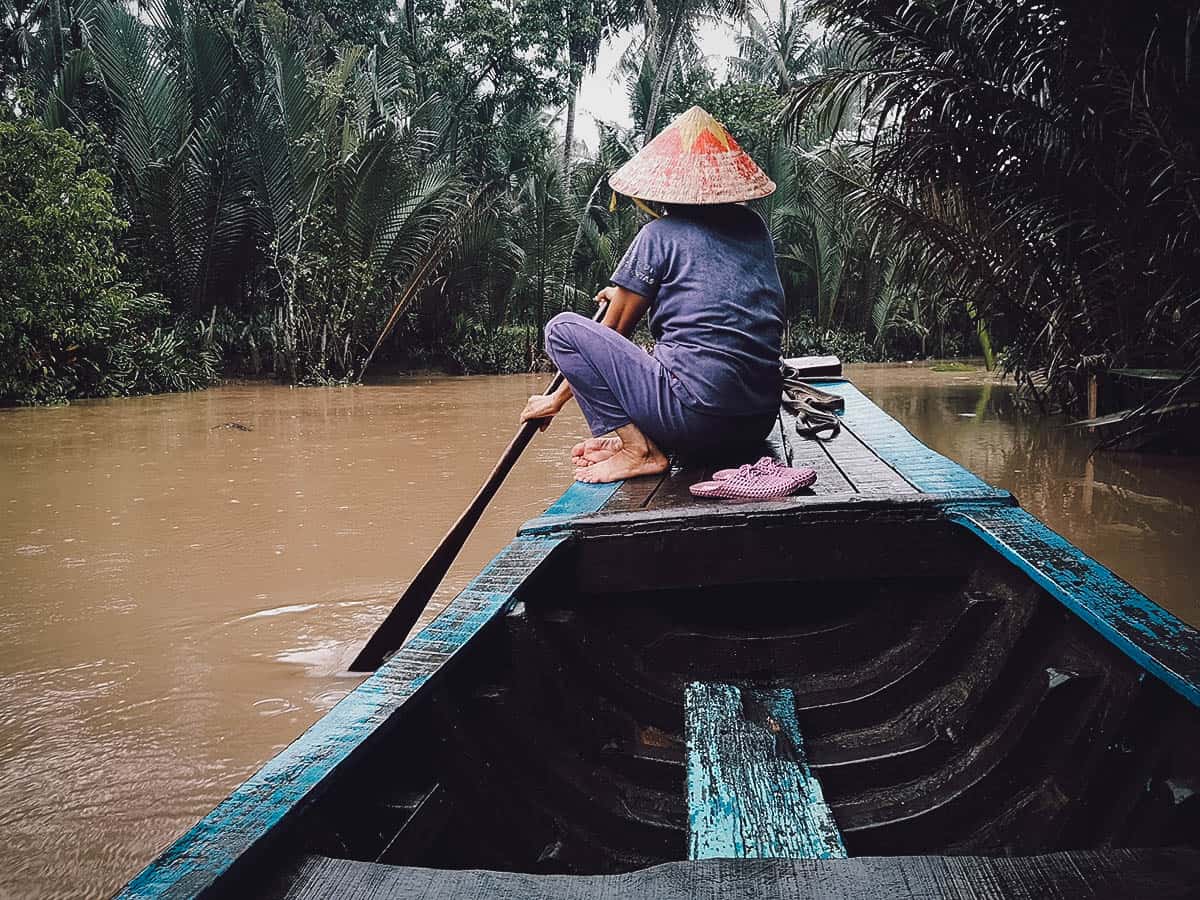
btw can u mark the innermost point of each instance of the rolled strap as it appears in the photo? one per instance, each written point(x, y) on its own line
point(815, 410)
point(814, 423)
point(799, 389)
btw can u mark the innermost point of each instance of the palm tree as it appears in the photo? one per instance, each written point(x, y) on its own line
point(358, 215)
point(244, 149)
point(669, 25)
point(775, 50)
point(583, 46)
point(175, 80)
point(602, 230)
point(1040, 160)
point(638, 68)
point(587, 24)
point(549, 242)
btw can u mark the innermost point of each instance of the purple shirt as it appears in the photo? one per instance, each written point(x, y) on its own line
point(716, 306)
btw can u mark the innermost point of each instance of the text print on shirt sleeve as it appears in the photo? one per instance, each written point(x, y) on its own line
point(641, 268)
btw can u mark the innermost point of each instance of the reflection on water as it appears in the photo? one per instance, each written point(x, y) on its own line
point(1136, 513)
point(180, 597)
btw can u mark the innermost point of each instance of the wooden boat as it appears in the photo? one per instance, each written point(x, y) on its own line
point(899, 684)
point(1174, 428)
point(1134, 419)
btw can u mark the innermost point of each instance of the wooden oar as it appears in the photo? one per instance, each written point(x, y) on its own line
point(394, 629)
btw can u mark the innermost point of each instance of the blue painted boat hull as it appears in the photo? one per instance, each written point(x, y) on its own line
point(966, 682)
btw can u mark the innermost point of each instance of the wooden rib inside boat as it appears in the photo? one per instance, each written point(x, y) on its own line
point(947, 706)
point(901, 667)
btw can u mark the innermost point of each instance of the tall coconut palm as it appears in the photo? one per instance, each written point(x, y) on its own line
point(583, 46)
point(638, 68)
point(670, 24)
point(587, 24)
point(775, 50)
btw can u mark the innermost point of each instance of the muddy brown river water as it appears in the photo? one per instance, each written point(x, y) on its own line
point(179, 597)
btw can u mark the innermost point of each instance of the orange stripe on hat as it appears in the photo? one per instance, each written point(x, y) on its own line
point(692, 160)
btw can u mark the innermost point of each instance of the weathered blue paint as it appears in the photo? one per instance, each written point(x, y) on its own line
point(294, 777)
point(925, 469)
point(751, 794)
point(1149, 635)
point(580, 499)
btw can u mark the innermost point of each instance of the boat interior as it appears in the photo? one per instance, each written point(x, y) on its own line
point(945, 703)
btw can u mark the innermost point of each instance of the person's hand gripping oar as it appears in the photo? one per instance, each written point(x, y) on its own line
point(394, 629)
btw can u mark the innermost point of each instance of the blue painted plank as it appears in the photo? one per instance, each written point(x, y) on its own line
point(581, 498)
point(1157, 641)
point(926, 469)
point(751, 794)
point(206, 852)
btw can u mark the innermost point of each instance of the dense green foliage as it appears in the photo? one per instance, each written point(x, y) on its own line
point(323, 186)
point(68, 326)
point(1040, 161)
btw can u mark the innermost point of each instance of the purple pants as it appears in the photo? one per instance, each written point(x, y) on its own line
point(617, 382)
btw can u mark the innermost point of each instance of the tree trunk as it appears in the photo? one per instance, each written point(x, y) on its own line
point(661, 73)
point(569, 133)
point(985, 339)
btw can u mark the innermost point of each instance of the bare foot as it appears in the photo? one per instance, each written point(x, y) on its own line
point(594, 450)
point(624, 463)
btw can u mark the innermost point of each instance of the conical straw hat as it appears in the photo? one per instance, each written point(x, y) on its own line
point(692, 160)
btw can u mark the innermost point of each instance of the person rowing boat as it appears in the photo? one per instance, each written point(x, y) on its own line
point(704, 269)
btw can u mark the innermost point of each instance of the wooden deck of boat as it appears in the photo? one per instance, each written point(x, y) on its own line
point(871, 456)
point(872, 459)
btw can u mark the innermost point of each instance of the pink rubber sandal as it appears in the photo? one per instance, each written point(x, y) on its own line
point(745, 484)
point(768, 466)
